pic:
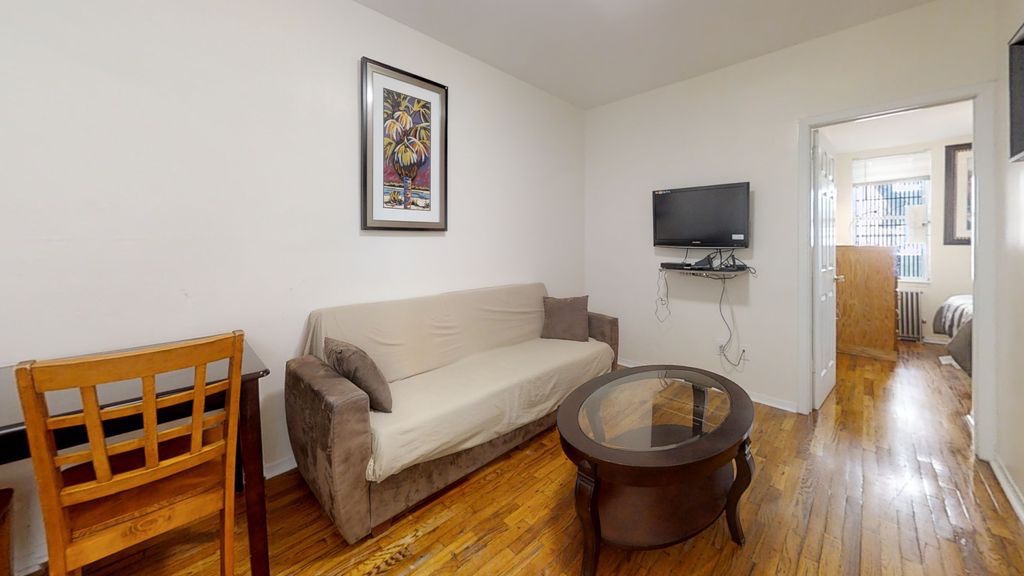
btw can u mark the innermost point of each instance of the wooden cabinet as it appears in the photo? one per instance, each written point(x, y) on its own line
point(866, 301)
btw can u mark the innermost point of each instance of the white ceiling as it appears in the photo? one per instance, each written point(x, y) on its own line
point(591, 52)
point(903, 129)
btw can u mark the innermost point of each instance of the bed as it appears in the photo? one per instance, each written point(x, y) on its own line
point(954, 319)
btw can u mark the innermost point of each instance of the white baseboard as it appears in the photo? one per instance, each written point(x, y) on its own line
point(940, 340)
point(759, 398)
point(279, 467)
point(1013, 492)
point(773, 402)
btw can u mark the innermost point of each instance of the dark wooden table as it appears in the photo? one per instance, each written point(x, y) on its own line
point(655, 449)
point(249, 474)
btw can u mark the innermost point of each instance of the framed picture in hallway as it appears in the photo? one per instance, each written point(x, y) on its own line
point(959, 204)
point(404, 150)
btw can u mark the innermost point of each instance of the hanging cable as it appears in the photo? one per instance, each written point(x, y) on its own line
point(661, 307)
point(724, 348)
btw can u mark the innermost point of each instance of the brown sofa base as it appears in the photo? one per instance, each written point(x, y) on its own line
point(329, 428)
point(399, 492)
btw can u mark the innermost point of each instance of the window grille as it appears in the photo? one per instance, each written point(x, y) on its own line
point(882, 213)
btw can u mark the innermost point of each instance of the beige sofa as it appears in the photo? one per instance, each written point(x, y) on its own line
point(470, 379)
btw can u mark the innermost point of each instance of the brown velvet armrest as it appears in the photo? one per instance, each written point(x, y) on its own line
point(606, 329)
point(329, 428)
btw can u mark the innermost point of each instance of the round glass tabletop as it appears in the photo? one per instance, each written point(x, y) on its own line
point(654, 410)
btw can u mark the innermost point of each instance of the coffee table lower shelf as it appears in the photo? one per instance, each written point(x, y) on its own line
point(635, 517)
point(655, 483)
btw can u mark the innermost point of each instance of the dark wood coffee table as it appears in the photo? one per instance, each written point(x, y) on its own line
point(655, 449)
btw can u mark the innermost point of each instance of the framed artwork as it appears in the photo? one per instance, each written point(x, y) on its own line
point(959, 223)
point(405, 150)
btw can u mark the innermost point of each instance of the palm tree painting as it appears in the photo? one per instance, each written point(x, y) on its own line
point(406, 150)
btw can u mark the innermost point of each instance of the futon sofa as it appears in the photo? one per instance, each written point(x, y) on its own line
point(470, 379)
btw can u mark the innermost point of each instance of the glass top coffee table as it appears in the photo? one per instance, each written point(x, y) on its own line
point(660, 452)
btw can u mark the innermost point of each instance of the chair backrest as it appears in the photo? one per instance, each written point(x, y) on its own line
point(211, 436)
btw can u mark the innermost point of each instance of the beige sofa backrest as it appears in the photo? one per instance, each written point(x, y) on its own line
point(409, 337)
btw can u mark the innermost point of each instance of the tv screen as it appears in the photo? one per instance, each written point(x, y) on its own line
point(706, 216)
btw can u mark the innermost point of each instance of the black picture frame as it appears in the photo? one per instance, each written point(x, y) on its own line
point(958, 198)
point(420, 201)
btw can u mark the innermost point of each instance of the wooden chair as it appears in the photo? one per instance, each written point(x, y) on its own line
point(119, 492)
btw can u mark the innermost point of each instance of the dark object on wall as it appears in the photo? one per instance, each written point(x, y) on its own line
point(703, 217)
point(405, 150)
point(959, 221)
point(1017, 96)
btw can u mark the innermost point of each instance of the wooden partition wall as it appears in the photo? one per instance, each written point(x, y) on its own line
point(866, 301)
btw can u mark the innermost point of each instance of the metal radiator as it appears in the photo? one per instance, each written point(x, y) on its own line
point(908, 305)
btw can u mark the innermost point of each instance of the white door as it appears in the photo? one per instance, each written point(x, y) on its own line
point(824, 239)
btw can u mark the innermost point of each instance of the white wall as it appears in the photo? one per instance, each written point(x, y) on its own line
point(742, 123)
point(1009, 457)
point(950, 265)
point(181, 168)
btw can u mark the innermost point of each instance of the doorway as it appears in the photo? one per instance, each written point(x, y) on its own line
point(882, 189)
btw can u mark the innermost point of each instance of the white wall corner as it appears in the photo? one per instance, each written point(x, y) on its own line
point(784, 405)
point(1010, 488)
point(36, 564)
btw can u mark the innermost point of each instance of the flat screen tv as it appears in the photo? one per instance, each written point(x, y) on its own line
point(703, 217)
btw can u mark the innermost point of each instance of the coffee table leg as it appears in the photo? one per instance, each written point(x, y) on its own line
point(700, 399)
point(586, 509)
point(744, 472)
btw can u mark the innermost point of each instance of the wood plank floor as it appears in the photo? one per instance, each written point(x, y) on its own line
point(880, 481)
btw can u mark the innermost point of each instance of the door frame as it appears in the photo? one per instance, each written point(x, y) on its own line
point(984, 249)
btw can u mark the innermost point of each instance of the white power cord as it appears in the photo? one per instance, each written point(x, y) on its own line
point(724, 348)
point(661, 308)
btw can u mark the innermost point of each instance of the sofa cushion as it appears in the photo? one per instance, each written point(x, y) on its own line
point(566, 319)
point(408, 337)
point(353, 363)
point(477, 399)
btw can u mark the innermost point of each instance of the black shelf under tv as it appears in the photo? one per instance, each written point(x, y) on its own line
point(709, 273)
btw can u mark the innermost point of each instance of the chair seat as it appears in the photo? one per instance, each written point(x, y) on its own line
point(97, 515)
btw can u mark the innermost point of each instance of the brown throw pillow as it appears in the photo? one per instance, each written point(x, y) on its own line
point(353, 363)
point(566, 319)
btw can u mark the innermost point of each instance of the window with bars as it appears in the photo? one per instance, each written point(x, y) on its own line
point(894, 213)
point(891, 204)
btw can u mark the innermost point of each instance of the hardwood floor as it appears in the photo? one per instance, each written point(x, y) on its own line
point(880, 481)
